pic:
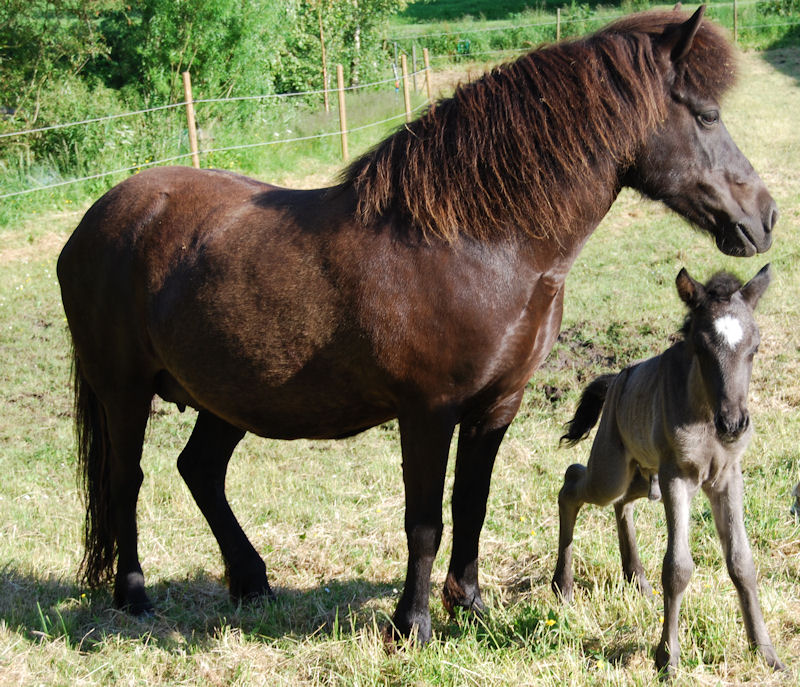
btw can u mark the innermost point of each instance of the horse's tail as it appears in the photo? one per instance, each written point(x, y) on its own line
point(93, 441)
point(589, 409)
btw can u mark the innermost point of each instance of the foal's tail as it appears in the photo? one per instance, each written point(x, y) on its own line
point(94, 480)
point(589, 408)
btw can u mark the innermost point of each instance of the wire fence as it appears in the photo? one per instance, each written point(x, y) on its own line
point(208, 151)
point(396, 80)
point(183, 156)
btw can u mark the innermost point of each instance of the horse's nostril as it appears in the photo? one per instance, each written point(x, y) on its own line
point(728, 428)
point(772, 218)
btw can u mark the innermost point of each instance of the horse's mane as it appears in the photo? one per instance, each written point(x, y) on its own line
point(520, 146)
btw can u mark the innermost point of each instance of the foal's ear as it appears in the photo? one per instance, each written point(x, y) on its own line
point(690, 290)
point(754, 289)
point(678, 40)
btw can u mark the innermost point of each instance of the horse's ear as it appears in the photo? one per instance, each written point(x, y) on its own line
point(678, 40)
point(754, 289)
point(690, 290)
point(677, 7)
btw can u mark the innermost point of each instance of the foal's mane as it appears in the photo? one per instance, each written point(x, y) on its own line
point(519, 147)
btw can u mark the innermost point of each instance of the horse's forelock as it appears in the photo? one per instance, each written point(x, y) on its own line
point(722, 286)
point(519, 146)
point(709, 68)
point(719, 288)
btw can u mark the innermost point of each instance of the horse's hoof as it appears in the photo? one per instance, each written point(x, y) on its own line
point(253, 592)
point(562, 589)
point(130, 597)
point(665, 664)
point(414, 628)
point(454, 597)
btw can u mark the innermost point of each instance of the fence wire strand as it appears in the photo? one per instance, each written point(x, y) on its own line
point(395, 80)
point(182, 156)
point(195, 101)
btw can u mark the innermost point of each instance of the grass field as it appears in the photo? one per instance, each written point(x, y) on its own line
point(328, 516)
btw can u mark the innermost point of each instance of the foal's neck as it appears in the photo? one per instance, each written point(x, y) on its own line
point(685, 380)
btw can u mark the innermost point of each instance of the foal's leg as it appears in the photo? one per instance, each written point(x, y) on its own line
point(605, 478)
point(126, 418)
point(626, 532)
point(478, 442)
point(726, 504)
point(425, 441)
point(677, 492)
point(203, 464)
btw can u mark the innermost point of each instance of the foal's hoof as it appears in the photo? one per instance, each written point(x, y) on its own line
point(455, 596)
point(562, 589)
point(666, 665)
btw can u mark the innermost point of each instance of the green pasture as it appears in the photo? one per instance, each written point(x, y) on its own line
point(328, 516)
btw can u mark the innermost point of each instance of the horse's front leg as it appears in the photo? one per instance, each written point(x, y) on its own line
point(425, 441)
point(727, 505)
point(203, 464)
point(677, 492)
point(478, 441)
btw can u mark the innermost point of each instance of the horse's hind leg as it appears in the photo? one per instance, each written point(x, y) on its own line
point(604, 479)
point(626, 532)
point(203, 464)
point(126, 422)
point(726, 504)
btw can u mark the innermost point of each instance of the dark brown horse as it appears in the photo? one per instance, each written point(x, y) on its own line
point(427, 286)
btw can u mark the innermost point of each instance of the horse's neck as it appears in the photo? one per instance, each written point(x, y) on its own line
point(695, 397)
point(679, 382)
point(556, 254)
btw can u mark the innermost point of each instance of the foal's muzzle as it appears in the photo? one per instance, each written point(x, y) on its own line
point(729, 427)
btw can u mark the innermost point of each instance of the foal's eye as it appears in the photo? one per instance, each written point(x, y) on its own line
point(709, 118)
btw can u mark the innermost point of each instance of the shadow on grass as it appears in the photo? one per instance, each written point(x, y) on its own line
point(784, 55)
point(196, 614)
point(190, 613)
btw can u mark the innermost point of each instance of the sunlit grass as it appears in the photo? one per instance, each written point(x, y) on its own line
point(328, 516)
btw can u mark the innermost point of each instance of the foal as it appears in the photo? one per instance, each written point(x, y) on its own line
point(676, 422)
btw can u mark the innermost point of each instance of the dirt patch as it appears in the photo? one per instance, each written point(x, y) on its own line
point(45, 246)
point(40, 237)
point(574, 350)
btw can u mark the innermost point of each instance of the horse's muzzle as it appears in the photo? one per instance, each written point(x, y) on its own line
point(729, 427)
point(750, 234)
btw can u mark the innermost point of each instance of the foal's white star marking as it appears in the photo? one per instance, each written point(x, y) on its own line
point(729, 330)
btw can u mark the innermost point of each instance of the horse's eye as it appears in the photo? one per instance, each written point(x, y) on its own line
point(709, 118)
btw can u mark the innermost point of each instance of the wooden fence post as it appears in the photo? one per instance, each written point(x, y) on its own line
point(427, 59)
point(187, 91)
point(558, 24)
point(342, 112)
point(735, 22)
point(406, 94)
